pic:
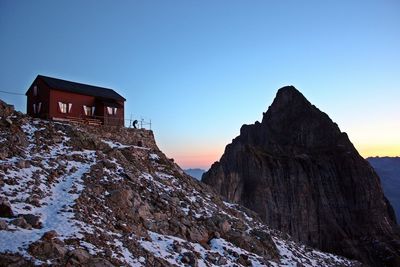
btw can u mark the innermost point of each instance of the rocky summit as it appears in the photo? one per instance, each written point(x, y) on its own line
point(77, 195)
point(303, 176)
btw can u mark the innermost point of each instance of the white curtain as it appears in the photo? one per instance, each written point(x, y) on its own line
point(39, 107)
point(93, 108)
point(34, 108)
point(109, 110)
point(85, 110)
point(115, 111)
point(60, 105)
point(69, 107)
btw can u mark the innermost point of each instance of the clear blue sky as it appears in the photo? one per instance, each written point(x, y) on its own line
point(201, 69)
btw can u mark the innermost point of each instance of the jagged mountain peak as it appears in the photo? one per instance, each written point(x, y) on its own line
point(289, 96)
point(302, 175)
point(294, 123)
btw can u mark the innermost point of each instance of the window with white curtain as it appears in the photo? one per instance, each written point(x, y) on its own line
point(39, 107)
point(62, 107)
point(35, 90)
point(111, 111)
point(89, 111)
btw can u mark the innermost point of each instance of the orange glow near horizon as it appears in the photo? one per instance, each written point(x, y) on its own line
point(202, 161)
point(376, 139)
point(197, 158)
point(379, 150)
point(205, 159)
point(370, 140)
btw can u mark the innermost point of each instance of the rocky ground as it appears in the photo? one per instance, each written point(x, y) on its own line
point(77, 195)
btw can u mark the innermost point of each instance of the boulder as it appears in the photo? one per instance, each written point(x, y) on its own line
point(14, 260)
point(5, 109)
point(79, 255)
point(49, 235)
point(189, 258)
point(34, 200)
point(144, 211)
point(5, 209)
point(48, 248)
point(224, 226)
point(198, 235)
point(244, 260)
point(3, 225)
point(33, 220)
point(121, 197)
point(21, 222)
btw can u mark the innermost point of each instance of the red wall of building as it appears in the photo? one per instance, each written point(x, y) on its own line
point(43, 96)
point(115, 120)
point(77, 100)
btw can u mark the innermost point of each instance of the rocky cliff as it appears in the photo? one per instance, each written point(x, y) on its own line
point(303, 176)
point(74, 195)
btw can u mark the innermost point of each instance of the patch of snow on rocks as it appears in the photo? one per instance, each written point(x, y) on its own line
point(154, 157)
point(55, 208)
point(294, 253)
point(113, 144)
point(172, 249)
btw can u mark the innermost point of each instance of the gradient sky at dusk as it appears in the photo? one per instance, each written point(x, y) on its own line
point(201, 69)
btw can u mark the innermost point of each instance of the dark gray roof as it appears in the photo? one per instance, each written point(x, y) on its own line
point(81, 88)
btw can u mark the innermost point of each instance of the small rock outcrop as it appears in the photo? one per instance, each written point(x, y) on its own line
point(303, 176)
point(5, 109)
point(48, 247)
point(5, 209)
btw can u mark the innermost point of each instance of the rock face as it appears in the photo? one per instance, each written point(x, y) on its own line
point(303, 176)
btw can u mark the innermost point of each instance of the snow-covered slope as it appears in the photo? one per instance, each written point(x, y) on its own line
point(92, 197)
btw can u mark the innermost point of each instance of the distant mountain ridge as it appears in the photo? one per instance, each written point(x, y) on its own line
point(388, 169)
point(303, 176)
point(195, 173)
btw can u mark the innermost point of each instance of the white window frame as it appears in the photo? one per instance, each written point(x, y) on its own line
point(112, 111)
point(63, 107)
point(89, 111)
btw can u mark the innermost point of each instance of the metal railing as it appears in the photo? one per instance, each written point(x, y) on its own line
point(142, 123)
point(103, 120)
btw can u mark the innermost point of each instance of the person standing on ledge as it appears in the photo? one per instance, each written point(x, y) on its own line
point(135, 123)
